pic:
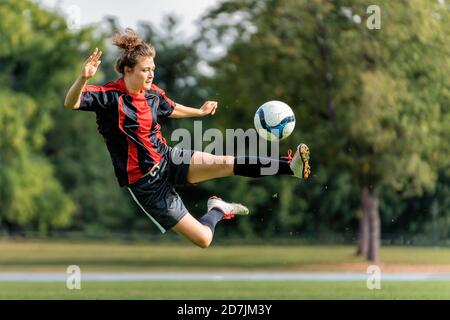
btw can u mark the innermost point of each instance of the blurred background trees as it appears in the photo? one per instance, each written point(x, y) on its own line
point(373, 105)
point(369, 102)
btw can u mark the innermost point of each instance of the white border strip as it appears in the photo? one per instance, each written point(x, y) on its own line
point(151, 218)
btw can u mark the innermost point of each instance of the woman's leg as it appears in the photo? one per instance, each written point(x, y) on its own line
point(205, 166)
point(190, 228)
point(201, 231)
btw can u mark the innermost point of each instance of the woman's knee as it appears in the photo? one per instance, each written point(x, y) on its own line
point(203, 239)
point(203, 242)
point(193, 230)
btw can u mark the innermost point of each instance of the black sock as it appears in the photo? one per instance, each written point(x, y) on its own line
point(211, 218)
point(252, 166)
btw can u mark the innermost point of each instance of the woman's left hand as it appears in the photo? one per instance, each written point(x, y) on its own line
point(209, 107)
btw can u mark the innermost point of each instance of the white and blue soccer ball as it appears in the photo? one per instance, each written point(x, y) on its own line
point(274, 120)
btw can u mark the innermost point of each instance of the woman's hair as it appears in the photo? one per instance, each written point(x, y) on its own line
point(133, 48)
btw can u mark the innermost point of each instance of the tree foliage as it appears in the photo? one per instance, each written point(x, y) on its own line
point(372, 104)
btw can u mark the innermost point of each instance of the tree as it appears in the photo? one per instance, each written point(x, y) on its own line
point(371, 102)
point(31, 197)
point(36, 48)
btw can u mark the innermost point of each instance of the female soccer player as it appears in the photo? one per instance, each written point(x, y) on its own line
point(127, 117)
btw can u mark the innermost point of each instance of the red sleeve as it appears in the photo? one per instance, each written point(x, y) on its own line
point(166, 105)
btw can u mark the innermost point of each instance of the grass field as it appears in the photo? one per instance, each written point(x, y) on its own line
point(146, 257)
point(353, 290)
point(45, 256)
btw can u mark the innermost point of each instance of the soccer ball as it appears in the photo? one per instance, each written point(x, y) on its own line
point(274, 120)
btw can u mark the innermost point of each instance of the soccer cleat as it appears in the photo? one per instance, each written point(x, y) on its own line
point(299, 163)
point(229, 209)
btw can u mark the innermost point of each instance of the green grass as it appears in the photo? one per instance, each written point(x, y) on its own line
point(47, 256)
point(352, 290)
point(101, 256)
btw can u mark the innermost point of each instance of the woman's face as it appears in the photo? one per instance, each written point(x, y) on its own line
point(141, 76)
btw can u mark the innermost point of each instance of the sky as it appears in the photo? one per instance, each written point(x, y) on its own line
point(91, 11)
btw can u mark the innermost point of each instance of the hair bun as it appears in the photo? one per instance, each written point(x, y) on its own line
point(128, 41)
point(133, 49)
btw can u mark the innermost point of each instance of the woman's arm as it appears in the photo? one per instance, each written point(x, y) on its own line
point(90, 67)
point(180, 111)
point(72, 100)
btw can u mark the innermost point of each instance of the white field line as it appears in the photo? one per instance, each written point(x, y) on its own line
point(113, 277)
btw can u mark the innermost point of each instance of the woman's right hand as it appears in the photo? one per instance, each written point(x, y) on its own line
point(91, 65)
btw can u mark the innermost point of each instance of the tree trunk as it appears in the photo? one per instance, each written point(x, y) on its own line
point(363, 233)
point(370, 208)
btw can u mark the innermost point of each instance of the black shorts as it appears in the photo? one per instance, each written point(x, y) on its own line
point(155, 194)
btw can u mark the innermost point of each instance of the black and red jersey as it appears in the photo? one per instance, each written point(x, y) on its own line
point(129, 125)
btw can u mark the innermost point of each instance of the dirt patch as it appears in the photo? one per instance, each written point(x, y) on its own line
point(338, 268)
point(388, 268)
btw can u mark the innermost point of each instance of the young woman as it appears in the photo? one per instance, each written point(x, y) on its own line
point(127, 117)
